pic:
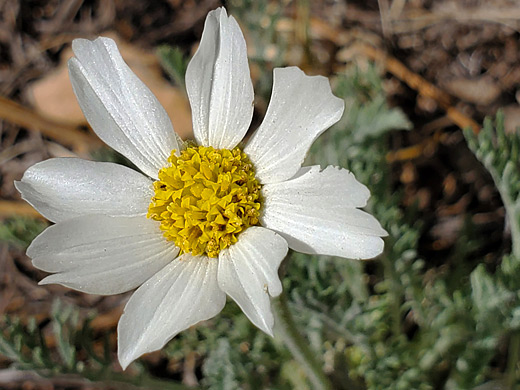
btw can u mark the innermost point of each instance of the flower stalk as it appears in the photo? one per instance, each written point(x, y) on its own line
point(512, 360)
point(286, 329)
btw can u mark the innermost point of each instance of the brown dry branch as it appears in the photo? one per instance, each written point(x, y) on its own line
point(108, 320)
point(415, 20)
point(399, 70)
point(415, 151)
point(29, 119)
point(319, 29)
point(384, 10)
point(422, 86)
point(17, 208)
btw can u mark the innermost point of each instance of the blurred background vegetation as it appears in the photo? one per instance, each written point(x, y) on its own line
point(432, 109)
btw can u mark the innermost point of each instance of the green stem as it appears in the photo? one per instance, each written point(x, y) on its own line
point(511, 211)
point(395, 294)
point(299, 347)
point(512, 360)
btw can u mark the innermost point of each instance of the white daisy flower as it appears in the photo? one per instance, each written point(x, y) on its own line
point(202, 220)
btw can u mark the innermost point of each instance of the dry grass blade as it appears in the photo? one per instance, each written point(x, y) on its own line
point(29, 119)
point(384, 11)
point(17, 208)
point(399, 70)
point(415, 151)
point(452, 12)
point(425, 88)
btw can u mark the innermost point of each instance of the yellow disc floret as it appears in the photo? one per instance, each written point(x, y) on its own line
point(205, 199)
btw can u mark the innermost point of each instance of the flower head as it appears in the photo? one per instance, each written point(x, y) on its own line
point(202, 220)
point(206, 198)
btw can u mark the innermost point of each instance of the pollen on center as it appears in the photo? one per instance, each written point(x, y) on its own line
point(205, 199)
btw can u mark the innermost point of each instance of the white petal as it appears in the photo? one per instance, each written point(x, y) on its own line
point(177, 297)
point(248, 273)
point(64, 188)
point(301, 108)
point(101, 255)
point(315, 213)
point(219, 85)
point(122, 111)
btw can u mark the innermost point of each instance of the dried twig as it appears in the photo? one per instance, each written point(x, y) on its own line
point(12, 208)
point(384, 10)
point(31, 120)
point(415, 151)
point(108, 320)
point(425, 88)
point(418, 20)
point(399, 70)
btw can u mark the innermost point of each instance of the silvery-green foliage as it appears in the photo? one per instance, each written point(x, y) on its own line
point(20, 231)
point(26, 346)
point(459, 320)
point(254, 356)
point(174, 63)
point(367, 113)
point(499, 152)
point(219, 370)
point(376, 347)
point(74, 355)
point(259, 18)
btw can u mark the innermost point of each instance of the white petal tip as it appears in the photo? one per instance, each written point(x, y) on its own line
point(79, 43)
point(125, 355)
point(21, 186)
point(378, 231)
point(378, 248)
point(218, 12)
point(124, 361)
point(266, 325)
point(61, 279)
point(48, 280)
point(17, 184)
point(261, 324)
point(269, 332)
point(275, 292)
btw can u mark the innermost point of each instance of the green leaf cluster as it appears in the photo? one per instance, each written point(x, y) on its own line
point(27, 346)
point(395, 323)
point(20, 231)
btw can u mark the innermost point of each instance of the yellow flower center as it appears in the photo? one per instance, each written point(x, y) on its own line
point(205, 199)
